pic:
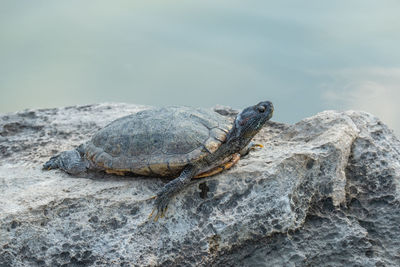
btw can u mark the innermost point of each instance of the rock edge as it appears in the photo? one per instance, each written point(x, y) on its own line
point(324, 191)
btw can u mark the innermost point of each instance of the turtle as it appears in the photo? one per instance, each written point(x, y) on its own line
point(178, 142)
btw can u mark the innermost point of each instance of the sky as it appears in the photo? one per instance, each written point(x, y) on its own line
point(304, 56)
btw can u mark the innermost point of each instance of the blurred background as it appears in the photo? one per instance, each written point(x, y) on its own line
point(305, 56)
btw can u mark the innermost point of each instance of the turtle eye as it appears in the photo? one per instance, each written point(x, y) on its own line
point(261, 109)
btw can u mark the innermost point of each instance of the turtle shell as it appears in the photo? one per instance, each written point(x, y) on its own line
point(157, 142)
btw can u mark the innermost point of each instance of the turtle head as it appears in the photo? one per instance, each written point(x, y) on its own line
point(250, 121)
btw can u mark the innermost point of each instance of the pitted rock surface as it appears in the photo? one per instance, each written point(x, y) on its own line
point(322, 192)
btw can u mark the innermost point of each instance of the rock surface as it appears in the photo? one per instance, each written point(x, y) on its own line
point(323, 192)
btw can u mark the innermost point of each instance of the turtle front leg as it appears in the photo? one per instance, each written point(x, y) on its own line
point(249, 147)
point(225, 166)
point(164, 196)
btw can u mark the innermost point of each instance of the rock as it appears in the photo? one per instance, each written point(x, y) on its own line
point(324, 191)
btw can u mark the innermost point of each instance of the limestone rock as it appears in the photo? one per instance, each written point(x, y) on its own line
point(324, 191)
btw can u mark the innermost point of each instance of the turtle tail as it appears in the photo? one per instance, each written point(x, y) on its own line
point(70, 161)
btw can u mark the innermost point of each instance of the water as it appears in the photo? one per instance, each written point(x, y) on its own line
point(304, 56)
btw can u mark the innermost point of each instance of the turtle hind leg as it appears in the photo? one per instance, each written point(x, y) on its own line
point(52, 163)
point(69, 161)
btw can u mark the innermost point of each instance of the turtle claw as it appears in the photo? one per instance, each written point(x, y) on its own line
point(254, 146)
point(257, 145)
point(151, 214)
point(158, 214)
point(251, 146)
point(160, 207)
